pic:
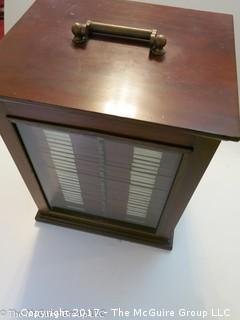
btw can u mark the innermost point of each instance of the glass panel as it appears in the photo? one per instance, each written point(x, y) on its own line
point(100, 175)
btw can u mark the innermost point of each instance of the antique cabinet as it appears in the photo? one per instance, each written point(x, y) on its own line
point(112, 111)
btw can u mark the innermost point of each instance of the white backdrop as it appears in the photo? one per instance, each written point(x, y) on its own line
point(47, 267)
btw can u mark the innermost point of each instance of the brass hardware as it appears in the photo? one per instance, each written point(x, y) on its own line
point(82, 32)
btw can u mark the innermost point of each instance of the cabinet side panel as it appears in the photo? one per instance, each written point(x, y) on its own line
point(188, 177)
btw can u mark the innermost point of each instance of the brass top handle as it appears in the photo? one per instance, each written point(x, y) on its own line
point(82, 32)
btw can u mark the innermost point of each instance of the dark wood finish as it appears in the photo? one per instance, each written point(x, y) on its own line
point(106, 229)
point(17, 151)
point(186, 100)
point(191, 171)
point(194, 86)
point(98, 122)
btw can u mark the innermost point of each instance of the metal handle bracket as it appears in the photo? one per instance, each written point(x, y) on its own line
point(82, 32)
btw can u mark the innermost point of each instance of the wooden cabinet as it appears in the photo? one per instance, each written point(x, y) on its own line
point(113, 135)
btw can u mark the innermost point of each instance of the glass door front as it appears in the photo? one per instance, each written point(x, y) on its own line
point(100, 175)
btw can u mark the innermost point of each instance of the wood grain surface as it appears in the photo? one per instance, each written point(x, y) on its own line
point(193, 87)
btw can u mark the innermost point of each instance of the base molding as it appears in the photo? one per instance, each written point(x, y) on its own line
point(105, 229)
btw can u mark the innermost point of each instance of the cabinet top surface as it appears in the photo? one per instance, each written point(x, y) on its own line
point(194, 86)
